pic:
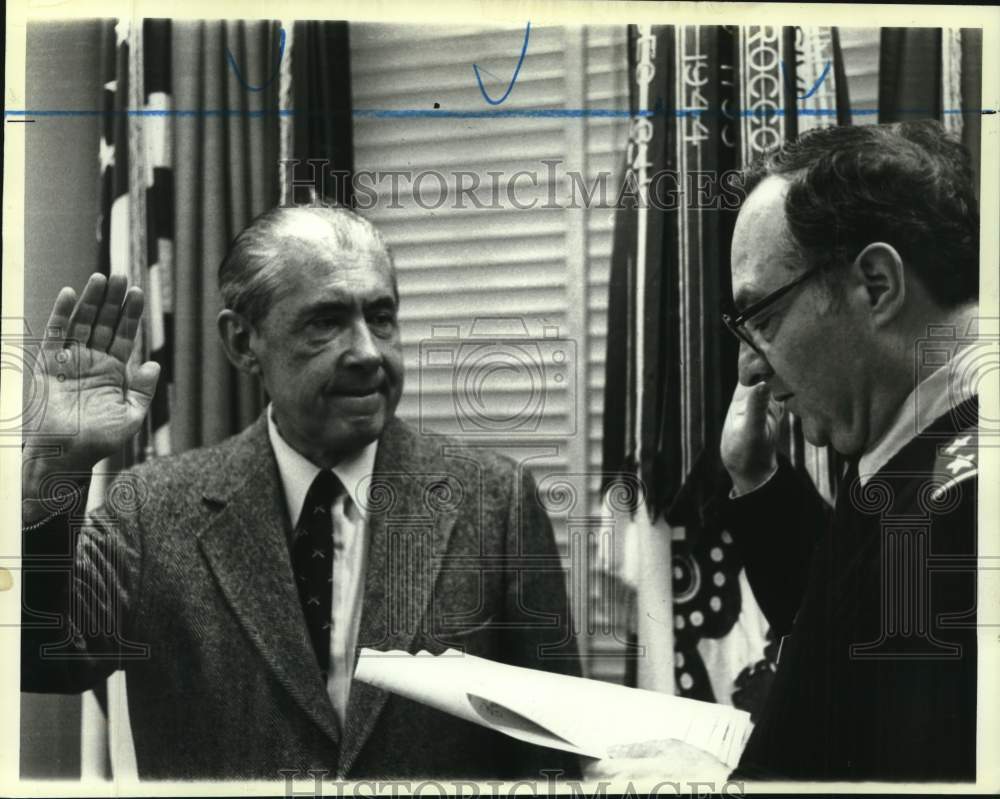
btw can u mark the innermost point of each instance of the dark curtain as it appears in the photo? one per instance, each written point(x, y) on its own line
point(909, 74)
point(912, 78)
point(321, 86)
point(972, 95)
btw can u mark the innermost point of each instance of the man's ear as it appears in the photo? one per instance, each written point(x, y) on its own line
point(236, 334)
point(883, 280)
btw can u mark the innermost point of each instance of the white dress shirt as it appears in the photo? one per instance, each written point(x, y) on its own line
point(350, 547)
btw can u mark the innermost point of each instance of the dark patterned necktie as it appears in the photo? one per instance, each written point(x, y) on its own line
point(312, 561)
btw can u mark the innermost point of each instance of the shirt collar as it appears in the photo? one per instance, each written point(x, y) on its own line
point(945, 388)
point(298, 472)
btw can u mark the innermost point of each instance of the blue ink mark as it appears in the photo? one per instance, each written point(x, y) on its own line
point(16, 115)
point(269, 81)
point(513, 80)
point(508, 113)
point(816, 85)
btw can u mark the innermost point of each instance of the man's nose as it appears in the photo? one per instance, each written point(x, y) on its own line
point(363, 350)
point(753, 366)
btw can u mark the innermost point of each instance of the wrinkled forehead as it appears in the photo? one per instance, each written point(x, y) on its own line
point(339, 246)
point(331, 232)
point(316, 263)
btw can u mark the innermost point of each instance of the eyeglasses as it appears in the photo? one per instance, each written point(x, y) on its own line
point(737, 324)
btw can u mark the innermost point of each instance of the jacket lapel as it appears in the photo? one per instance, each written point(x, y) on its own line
point(246, 545)
point(407, 537)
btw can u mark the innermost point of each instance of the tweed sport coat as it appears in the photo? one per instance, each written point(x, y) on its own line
point(184, 580)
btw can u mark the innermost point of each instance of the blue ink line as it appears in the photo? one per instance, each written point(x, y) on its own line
point(509, 113)
point(816, 85)
point(14, 115)
point(269, 81)
point(513, 80)
point(153, 112)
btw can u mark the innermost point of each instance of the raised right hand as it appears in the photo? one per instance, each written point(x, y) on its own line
point(749, 436)
point(96, 394)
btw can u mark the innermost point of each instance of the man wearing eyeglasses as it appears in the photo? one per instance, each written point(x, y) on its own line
point(855, 273)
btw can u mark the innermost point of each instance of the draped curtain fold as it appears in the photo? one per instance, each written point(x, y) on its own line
point(909, 74)
point(226, 164)
point(933, 73)
point(321, 79)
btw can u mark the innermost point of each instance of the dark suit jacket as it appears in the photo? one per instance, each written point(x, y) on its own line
point(876, 679)
point(183, 579)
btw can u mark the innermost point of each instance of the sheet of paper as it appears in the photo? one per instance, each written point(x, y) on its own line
point(588, 717)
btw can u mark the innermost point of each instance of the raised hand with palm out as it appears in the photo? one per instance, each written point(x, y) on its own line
point(96, 393)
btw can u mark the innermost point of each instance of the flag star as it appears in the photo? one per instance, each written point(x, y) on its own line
point(106, 155)
point(111, 85)
point(121, 31)
point(326, 626)
point(319, 509)
point(313, 600)
point(318, 553)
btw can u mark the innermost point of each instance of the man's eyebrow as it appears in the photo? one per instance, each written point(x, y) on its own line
point(334, 304)
point(380, 301)
point(345, 305)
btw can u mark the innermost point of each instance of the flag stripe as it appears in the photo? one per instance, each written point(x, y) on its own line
point(159, 197)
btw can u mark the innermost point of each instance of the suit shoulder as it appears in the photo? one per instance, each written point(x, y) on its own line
point(181, 466)
point(182, 476)
point(451, 452)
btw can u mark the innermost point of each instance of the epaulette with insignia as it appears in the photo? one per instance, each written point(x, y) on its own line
point(957, 460)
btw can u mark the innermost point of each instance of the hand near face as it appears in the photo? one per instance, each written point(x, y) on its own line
point(749, 436)
point(95, 393)
point(652, 762)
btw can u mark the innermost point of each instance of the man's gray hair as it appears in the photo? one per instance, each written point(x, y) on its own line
point(251, 274)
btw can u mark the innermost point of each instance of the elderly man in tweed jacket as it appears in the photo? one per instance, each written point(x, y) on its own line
point(198, 574)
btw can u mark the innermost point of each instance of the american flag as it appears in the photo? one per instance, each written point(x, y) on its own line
point(135, 235)
point(159, 184)
point(136, 221)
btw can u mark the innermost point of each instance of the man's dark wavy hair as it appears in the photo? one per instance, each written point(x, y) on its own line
point(907, 184)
